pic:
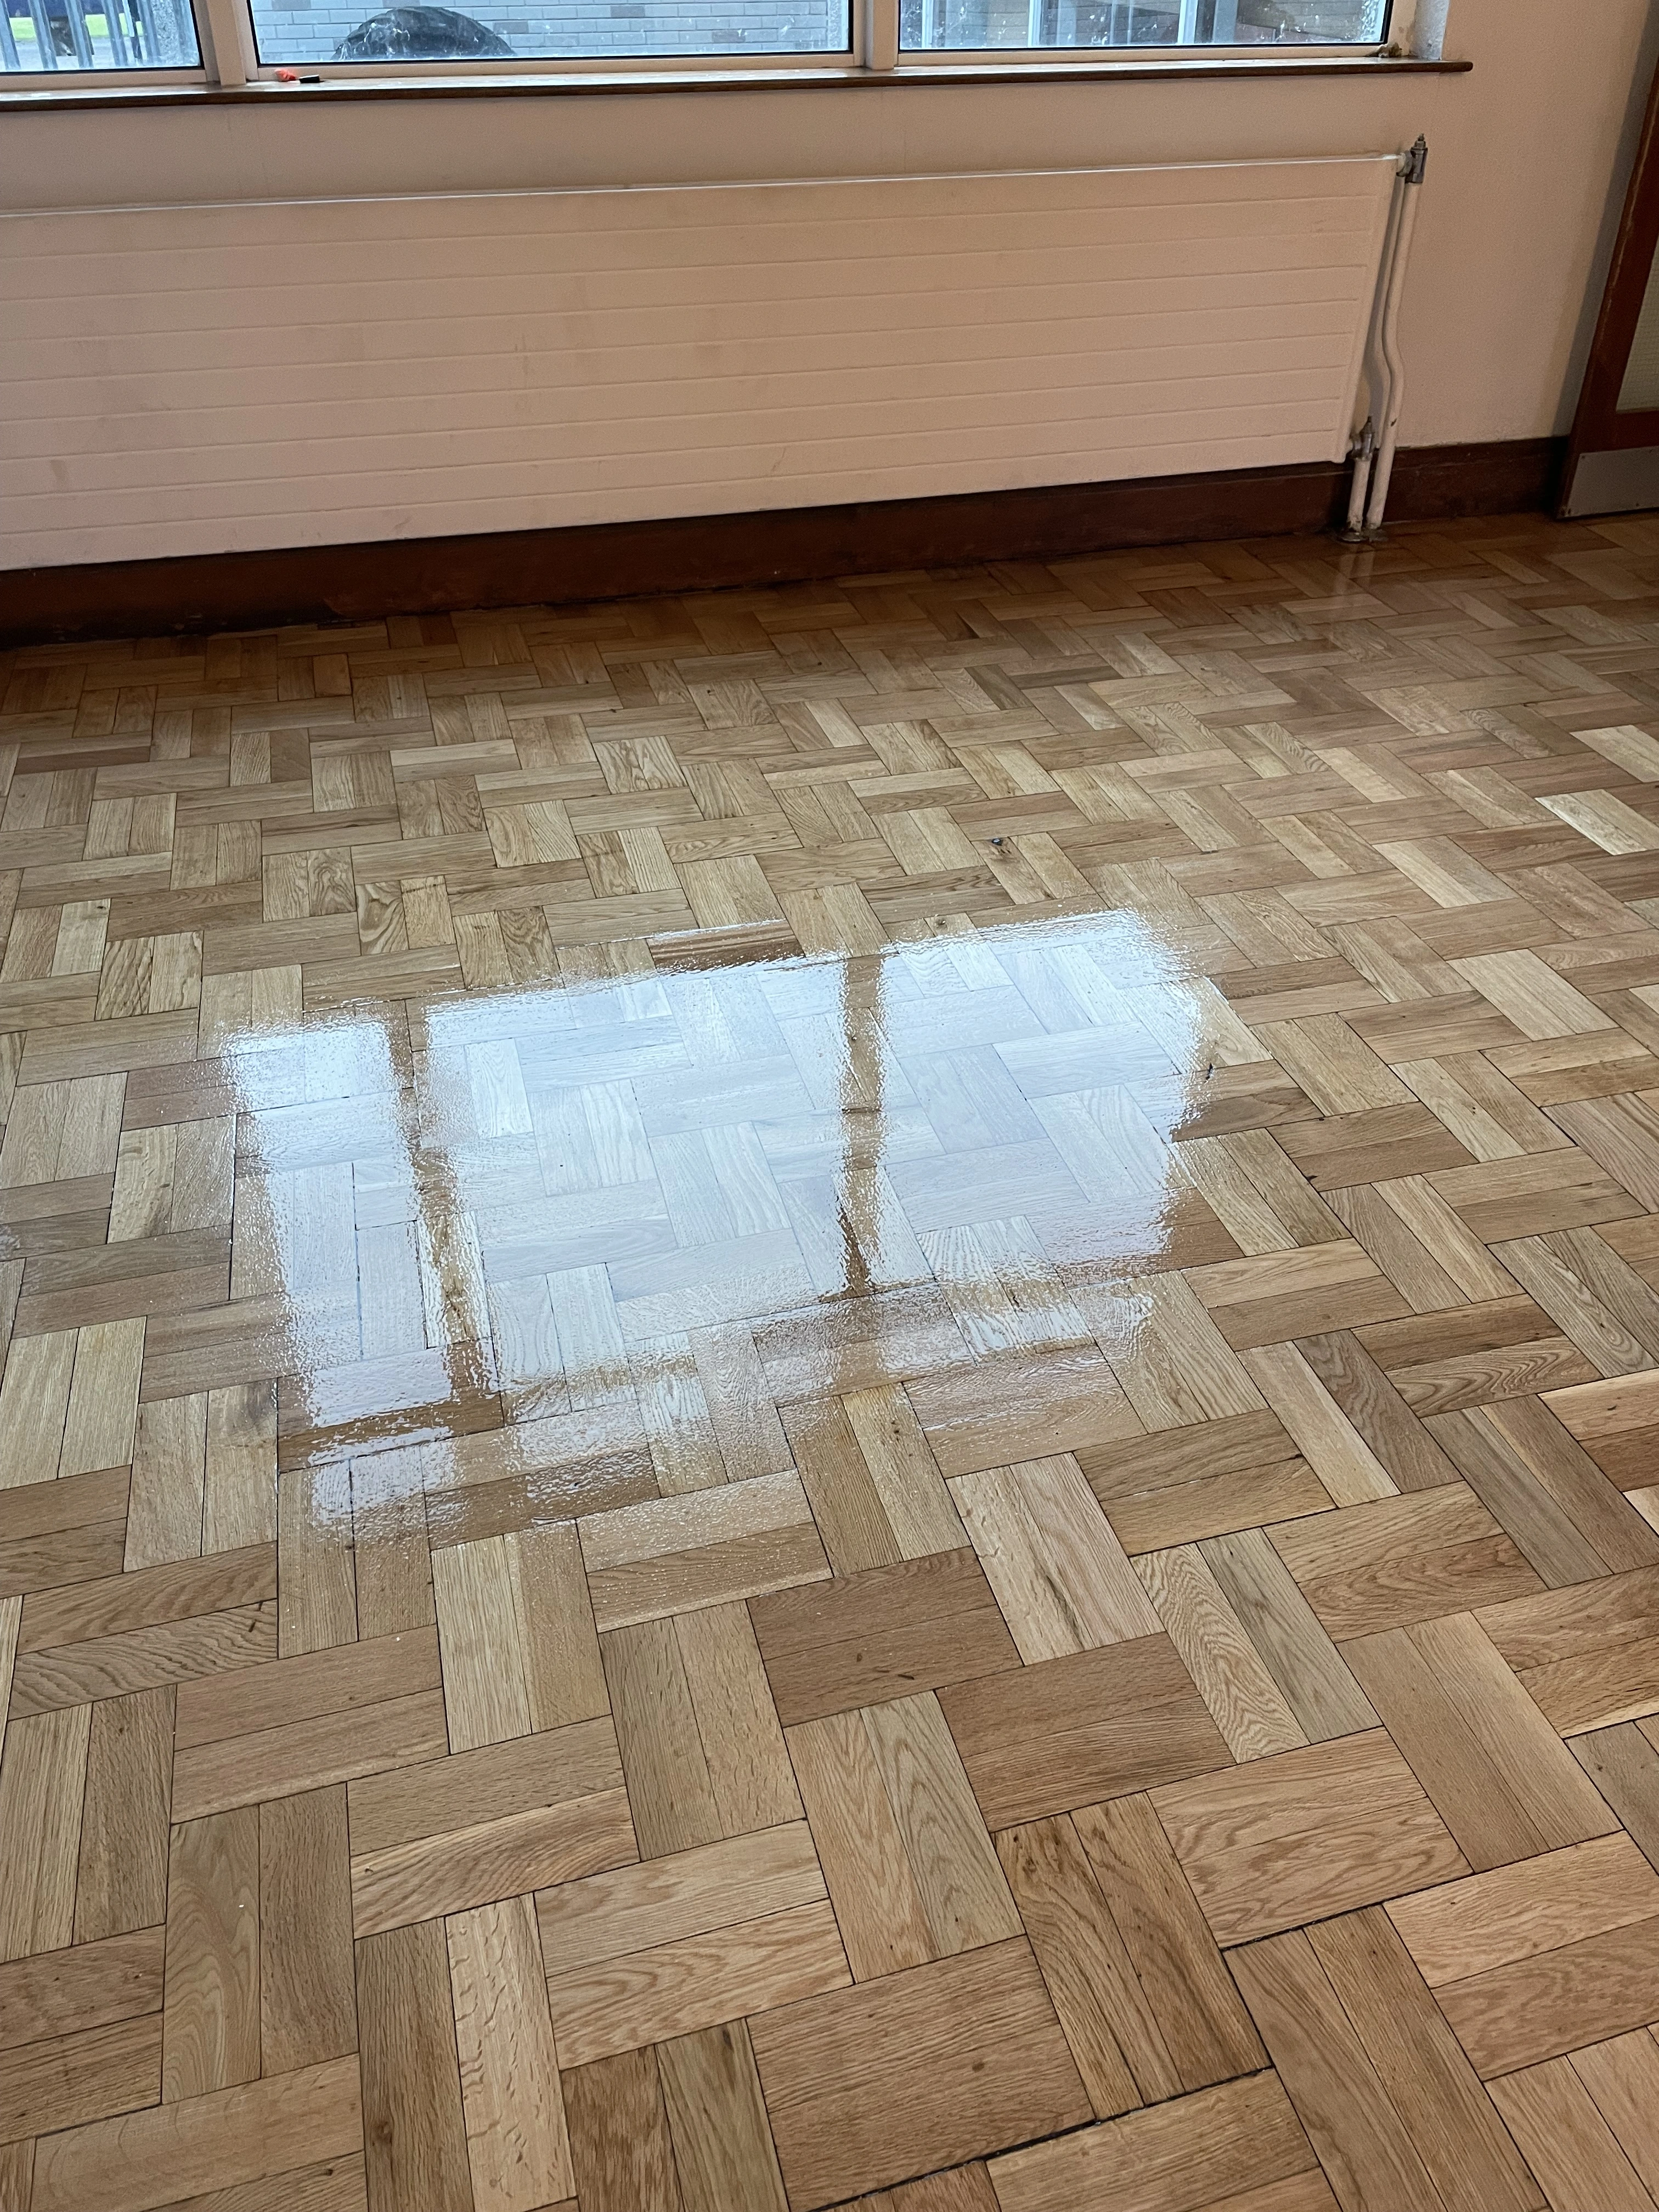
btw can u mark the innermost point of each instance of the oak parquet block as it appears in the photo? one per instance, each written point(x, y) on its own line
point(1297, 1838)
point(722, 2140)
point(453, 1870)
point(1005, 1411)
point(221, 2142)
point(1386, 1564)
point(211, 2036)
point(913, 2071)
point(909, 1868)
point(307, 1755)
point(308, 2001)
point(1373, 1405)
point(1143, 1997)
point(1071, 1731)
point(1239, 2144)
point(1552, 2114)
point(1589, 1663)
point(308, 1722)
point(1060, 1576)
point(1623, 1762)
point(95, 1984)
point(962, 2189)
point(1181, 1486)
point(1614, 1421)
point(1244, 1700)
point(696, 1981)
point(1621, 2075)
point(414, 2129)
point(145, 1658)
point(517, 2145)
point(408, 1803)
point(1391, 2103)
point(70, 1531)
point(1495, 1771)
point(1317, 1685)
point(121, 1879)
point(620, 2145)
point(42, 1793)
point(1540, 1958)
point(1546, 1492)
point(641, 1954)
point(65, 2080)
point(737, 1541)
point(860, 1640)
point(678, 1797)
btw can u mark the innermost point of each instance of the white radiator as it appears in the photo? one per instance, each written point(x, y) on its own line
point(205, 379)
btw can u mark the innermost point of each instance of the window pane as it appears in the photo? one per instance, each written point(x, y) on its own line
point(96, 34)
point(545, 30)
point(1641, 386)
point(933, 23)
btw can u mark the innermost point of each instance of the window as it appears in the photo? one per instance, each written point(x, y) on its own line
point(290, 31)
point(545, 30)
point(930, 25)
point(345, 37)
point(49, 35)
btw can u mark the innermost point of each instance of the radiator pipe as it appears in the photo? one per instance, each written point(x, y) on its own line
point(1416, 166)
point(1364, 450)
point(1374, 457)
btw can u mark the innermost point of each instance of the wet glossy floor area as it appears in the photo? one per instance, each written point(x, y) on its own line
point(842, 1394)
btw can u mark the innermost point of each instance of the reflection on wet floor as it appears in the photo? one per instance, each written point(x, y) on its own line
point(583, 1239)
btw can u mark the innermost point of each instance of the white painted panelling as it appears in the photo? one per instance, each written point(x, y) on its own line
point(186, 379)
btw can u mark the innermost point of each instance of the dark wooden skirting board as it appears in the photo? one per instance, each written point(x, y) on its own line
point(624, 560)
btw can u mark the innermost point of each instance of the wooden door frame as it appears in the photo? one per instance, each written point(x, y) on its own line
point(1599, 427)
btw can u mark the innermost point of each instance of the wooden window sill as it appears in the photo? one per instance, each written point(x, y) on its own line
point(632, 82)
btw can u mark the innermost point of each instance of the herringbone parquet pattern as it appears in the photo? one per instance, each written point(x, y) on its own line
point(842, 1390)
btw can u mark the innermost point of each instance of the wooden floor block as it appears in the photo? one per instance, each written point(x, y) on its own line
point(910, 1869)
point(1536, 1958)
point(686, 1942)
point(1390, 2101)
point(220, 2142)
point(1291, 1839)
point(917, 2070)
point(1070, 1731)
point(722, 2139)
point(1386, 1564)
point(1567, 2138)
point(1143, 1996)
point(1495, 1771)
point(1239, 2144)
point(414, 2127)
point(1588, 1657)
point(620, 2149)
point(861, 1640)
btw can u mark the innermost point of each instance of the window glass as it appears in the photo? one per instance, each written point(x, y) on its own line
point(544, 30)
point(1641, 387)
point(980, 23)
point(96, 34)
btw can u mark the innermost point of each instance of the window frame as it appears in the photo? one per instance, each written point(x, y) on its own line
point(78, 79)
point(1236, 50)
point(229, 59)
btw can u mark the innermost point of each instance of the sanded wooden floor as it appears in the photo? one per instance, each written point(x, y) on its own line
point(841, 1393)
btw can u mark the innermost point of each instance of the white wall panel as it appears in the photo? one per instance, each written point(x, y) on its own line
point(199, 378)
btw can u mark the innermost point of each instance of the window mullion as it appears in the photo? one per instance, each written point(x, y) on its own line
point(881, 33)
point(226, 29)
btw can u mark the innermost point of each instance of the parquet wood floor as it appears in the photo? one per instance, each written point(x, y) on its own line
point(841, 1393)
